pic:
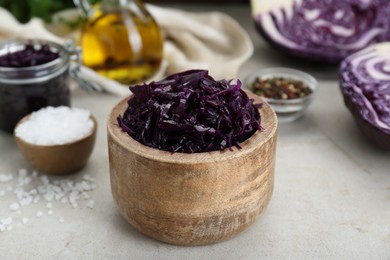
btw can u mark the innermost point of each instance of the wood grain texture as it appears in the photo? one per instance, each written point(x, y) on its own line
point(58, 159)
point(192, 199)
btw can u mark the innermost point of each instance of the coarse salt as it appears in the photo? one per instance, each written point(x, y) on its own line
point(5, 177)
point(14, 206)
point(36, 199)
point(6, 221)
point(26, 201)
point(30, 189)
point(6, 224)
point(55, 126)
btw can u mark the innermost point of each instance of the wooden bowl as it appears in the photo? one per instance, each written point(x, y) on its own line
point(192, 199)
point(58, 159)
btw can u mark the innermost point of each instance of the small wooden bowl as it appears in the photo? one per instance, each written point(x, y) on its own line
point(58, 159)
point(192, 199)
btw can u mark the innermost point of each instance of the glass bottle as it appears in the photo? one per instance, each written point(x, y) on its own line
point(120, 40)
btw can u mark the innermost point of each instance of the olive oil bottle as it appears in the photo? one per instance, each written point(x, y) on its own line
point(121, 40)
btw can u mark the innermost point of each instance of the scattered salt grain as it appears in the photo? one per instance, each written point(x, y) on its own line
point(36, 199)
point(55, 125)
point(5, 177)
point(6, 224)
point(6, 221)
point(43, 192)
point(85, 195)
point(14, 206)
point(73, 202)
point(26, 201)
point(49, 196)
point(85, 185)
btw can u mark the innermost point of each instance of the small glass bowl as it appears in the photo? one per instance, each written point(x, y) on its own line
point(287, 110)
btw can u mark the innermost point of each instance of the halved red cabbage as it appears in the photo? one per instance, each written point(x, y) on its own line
point(365, 84)
point(326, 30)
point(190, 112)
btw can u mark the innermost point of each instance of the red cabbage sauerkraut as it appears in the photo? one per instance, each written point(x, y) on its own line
point(29, 56)
point(326, 30)
point(365, 84)
point(190, 112)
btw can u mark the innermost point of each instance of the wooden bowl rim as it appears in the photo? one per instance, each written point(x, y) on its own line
point(247, 147)
point(94, 129)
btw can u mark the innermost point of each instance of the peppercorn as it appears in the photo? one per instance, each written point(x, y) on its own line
point(280, 88)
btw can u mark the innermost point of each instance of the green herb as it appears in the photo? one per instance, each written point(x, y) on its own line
point(72, 24)
point(24, 10)
point(280, 88)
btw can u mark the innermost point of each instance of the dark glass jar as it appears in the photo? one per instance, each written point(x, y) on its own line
point(27, 89)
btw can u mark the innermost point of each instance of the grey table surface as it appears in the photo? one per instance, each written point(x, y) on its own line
point(331, 198)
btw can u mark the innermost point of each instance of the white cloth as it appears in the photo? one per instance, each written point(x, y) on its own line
point(212, 41)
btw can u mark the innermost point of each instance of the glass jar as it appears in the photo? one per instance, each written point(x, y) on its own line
point(27, 89)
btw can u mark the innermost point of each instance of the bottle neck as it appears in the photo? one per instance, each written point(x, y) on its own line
point(135, 7)
point(110, 4)
point(86, 10)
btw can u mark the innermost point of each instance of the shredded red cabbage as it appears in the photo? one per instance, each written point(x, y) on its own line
point(190, 112)
point(29, 56)
point(326, 30)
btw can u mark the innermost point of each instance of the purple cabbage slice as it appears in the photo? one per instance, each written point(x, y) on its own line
point(326, 30)
point(30, 56)
point(365, 84)
point(190, 112)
